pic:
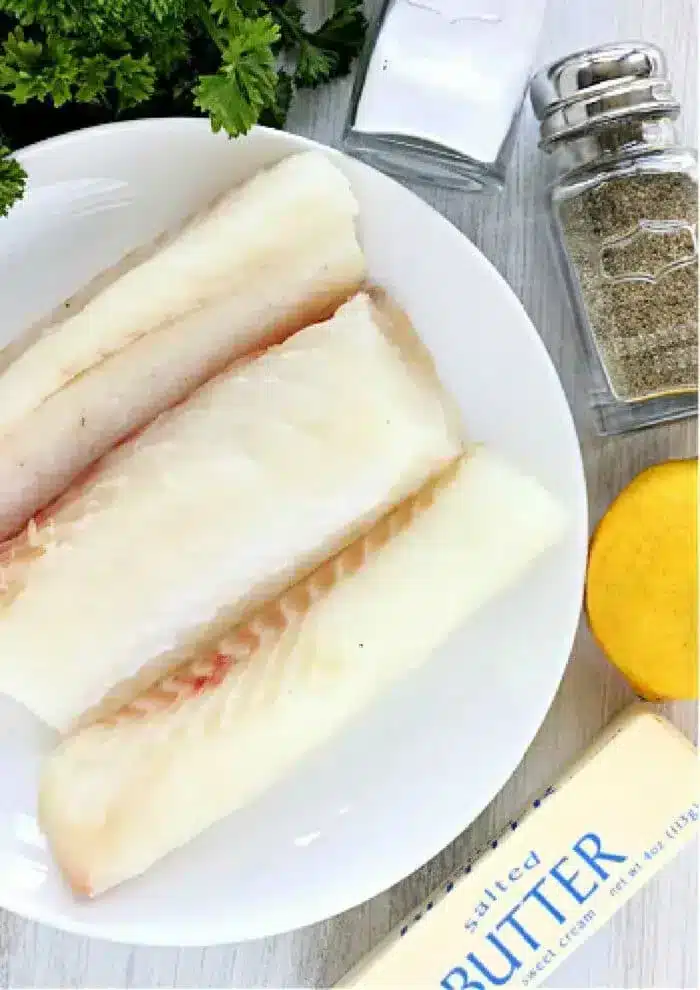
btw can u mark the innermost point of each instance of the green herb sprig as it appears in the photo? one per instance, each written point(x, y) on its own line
point(71, 63)
point(13, 180)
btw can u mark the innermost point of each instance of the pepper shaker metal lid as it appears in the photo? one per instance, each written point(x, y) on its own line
point(597, 86)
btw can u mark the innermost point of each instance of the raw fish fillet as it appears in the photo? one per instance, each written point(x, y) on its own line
point(119, 795)
point(274, 255)
point(221, 503)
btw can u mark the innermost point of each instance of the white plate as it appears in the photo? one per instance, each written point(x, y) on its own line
point(390, 793)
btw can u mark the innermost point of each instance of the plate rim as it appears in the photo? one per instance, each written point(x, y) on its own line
point(224, 931)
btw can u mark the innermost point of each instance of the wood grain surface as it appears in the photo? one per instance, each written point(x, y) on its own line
point(652, 942)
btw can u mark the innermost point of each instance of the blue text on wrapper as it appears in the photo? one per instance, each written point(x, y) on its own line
point(564, 888)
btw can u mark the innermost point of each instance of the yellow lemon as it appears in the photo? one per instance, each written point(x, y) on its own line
point(642, 585)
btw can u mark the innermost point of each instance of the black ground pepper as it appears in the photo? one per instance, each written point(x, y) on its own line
point(633, 243)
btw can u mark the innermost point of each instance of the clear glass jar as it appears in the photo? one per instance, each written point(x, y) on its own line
point(439, 89)
point(623, 210)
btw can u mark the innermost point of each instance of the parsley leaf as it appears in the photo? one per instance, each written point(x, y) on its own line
point(71, 63)
point(341, 37)
point(59, 71)
point(13, 180)
point(69, 16)
point(276, 114)
point(327, 52)
point(246, 84)
point(314, 66)
point(133, 80)
point(290, 18)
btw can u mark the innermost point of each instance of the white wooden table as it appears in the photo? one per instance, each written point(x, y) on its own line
point(653, 941)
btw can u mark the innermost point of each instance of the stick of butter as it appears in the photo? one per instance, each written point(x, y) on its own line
point(557, 874)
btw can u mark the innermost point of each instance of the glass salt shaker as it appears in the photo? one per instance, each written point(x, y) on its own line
point(439, 89)
point(623, 211)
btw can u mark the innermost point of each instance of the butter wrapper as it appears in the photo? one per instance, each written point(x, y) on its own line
point(557, 874)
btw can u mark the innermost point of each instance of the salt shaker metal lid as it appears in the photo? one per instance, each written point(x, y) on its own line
point(597, 86)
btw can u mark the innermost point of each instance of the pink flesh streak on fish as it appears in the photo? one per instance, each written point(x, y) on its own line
point(267, 624)
point(43, 529)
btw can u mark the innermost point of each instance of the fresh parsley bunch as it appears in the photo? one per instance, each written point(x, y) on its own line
point(71, 63)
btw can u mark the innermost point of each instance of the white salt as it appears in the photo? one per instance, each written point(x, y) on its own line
point(451, 72)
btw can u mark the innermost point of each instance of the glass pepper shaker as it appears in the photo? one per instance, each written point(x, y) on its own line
point(623, 211)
